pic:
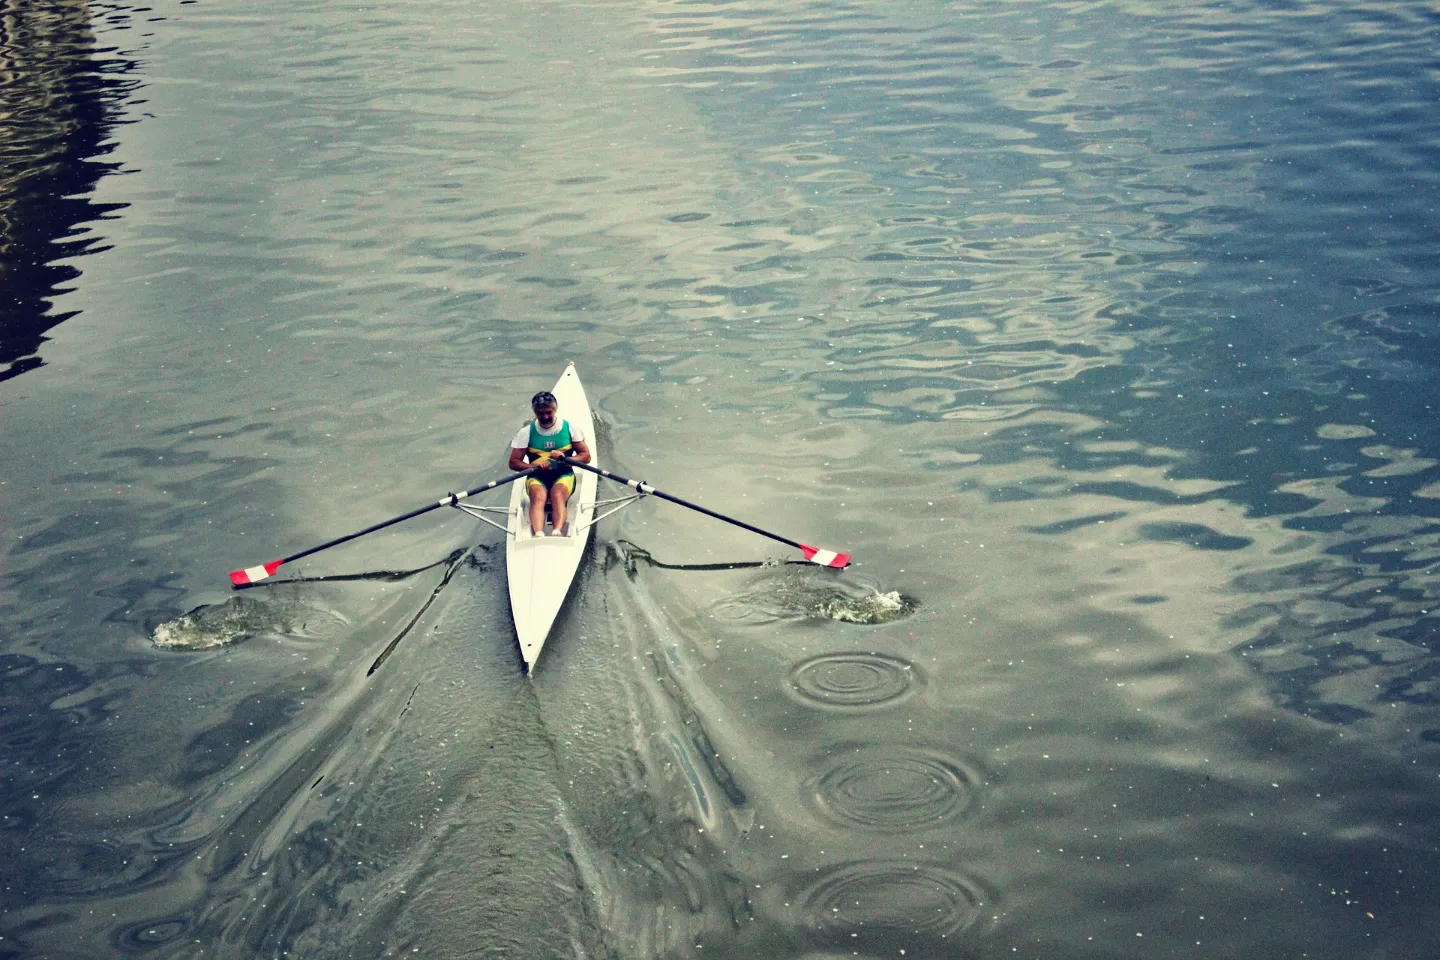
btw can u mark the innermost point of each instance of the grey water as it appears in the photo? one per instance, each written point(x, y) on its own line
point(1102, 334)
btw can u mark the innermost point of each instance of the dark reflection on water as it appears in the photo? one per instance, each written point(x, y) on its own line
point(59, 99)
point(36, 751)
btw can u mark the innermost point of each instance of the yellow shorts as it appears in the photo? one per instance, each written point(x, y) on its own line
point(550, 479)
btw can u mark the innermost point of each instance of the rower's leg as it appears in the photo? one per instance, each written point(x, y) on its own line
point(537, 493)
point(559, 495)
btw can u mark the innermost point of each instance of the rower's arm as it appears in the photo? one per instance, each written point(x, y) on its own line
point(517, 459)
point(580, 450)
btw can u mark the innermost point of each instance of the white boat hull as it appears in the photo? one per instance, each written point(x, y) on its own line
point(540, 570)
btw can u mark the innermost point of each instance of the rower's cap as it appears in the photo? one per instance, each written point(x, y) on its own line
point(543, 399)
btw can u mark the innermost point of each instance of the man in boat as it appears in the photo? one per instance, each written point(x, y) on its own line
point(538, 446)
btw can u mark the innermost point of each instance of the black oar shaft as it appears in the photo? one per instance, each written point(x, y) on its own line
point(360, 533)
point(449, 501)
point(645, 488)
point(246, 576)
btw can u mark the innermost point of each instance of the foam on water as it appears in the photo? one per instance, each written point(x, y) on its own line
point(220, 624)
point(791, 597)
point(872, 607)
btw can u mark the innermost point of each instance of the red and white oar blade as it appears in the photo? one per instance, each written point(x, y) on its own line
point(243, 578)
point(826, 558)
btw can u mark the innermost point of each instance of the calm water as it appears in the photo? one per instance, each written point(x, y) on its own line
point(1103, 335)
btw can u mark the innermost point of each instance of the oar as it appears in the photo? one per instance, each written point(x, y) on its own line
point(826, 558)
point(243, 578)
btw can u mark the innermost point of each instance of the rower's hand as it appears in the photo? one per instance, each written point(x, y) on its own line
point(542, 462)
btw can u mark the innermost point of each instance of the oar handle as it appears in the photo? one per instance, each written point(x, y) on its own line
point(642, 487)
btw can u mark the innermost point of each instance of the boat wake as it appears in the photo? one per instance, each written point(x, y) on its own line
point(688, 816)
point(637, 796)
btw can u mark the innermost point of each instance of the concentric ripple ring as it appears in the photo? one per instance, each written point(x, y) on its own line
point(878, 899)
point(893, 788)
point(853, 680)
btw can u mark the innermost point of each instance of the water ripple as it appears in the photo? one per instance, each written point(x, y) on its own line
point(151, 934)
point(853, 680)
point(893, 788)
point(866, 904)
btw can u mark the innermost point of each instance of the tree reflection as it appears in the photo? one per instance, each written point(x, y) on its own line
point(59, 96)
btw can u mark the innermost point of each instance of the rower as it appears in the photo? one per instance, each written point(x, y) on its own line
point(538, 446)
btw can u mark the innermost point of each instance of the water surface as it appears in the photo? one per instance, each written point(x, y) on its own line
point(1101, 335)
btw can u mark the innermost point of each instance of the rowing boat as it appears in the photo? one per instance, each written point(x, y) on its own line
point(542, 569)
